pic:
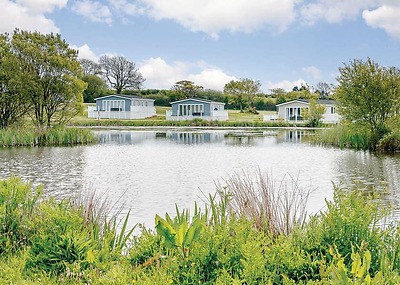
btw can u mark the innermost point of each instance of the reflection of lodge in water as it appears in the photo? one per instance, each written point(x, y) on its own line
point(120, 137)
point(291, 136)
point(194, 137)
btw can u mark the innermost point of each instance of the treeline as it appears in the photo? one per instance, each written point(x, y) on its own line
point(165, 97)
point(40, 79)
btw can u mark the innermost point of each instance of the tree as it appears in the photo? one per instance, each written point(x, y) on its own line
point(243, 89)
point(323, 89)
point(95, 84)
point(313, 114)
point(187, 88)
point(96, 87)
point(90, 67)
point(50, 73)
point(369, 95)
point(13, 104)
point(120, 73)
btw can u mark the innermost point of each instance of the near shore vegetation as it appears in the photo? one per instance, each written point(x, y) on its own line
point(369, 103)
point(252, 232)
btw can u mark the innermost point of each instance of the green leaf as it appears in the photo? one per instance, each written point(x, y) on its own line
point(193, 233)
point(165, 229)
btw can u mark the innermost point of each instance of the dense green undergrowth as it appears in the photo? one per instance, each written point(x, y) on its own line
point(60, 136)
point(45, 241)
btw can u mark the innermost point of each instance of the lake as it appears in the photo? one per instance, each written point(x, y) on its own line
point(149, 170)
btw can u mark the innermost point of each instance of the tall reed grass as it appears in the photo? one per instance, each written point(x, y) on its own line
point(60, 136)
point(344, 136)
point(274, 207)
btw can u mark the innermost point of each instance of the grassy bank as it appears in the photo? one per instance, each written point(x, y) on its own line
point(346, 136)
point(235, 119)
point(188, 123)
point(60, 136)
point(238, 238)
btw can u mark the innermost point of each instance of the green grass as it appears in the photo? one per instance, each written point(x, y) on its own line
point(344, 136)
point(235, 119)
point(59, 136)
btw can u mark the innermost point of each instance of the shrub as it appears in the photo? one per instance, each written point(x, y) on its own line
point(390, 142)
point(17, 207)
point(350, 219)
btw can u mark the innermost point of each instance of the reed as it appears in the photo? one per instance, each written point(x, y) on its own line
point(344, 136)
point(59, 136)
point(273, 207)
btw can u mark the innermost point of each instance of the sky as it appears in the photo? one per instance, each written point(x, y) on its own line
point(280, 43)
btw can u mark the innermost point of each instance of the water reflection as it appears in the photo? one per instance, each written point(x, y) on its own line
point(195, 137)
point(124, 137)
point(294, 136)
point(379, 172)
point(152, 170)
point(58, 168)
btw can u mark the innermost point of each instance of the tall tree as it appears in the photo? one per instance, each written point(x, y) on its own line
point(324, 89)
point(187, 88)
point(95, 84)
point(96, 87)
point(90, 67)
point(243, 89)
point(50, 72)
point(121, 73)
point(369, 95)
point(13, 103)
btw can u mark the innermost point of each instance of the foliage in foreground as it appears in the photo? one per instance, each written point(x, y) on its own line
point(59, 136)
point(44, 241)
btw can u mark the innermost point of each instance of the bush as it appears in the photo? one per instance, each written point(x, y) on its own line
point(350, 219)
point(18, 205)
point(390, 142)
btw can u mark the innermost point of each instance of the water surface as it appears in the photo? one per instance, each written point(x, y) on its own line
point(148, 171)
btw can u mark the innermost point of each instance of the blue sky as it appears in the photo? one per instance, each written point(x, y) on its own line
point(281, 43)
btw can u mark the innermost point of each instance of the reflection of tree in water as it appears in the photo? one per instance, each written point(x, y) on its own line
point(58, 169)
point(371, 171)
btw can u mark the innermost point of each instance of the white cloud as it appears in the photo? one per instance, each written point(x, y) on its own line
point(313, 71)
point(214, 16)
point(285, 84)
point(42, 6)
point(211, 79)
point(28, 15)
point(93, 10)
point(161, 75)
point(125, 7)
point(386, 18)
point(85, 52)
point(334, 11)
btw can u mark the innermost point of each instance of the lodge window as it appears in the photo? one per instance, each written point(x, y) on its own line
point(114, 105)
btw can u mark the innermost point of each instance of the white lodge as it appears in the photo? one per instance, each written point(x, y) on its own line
point(121, 106)
point(292, 111)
